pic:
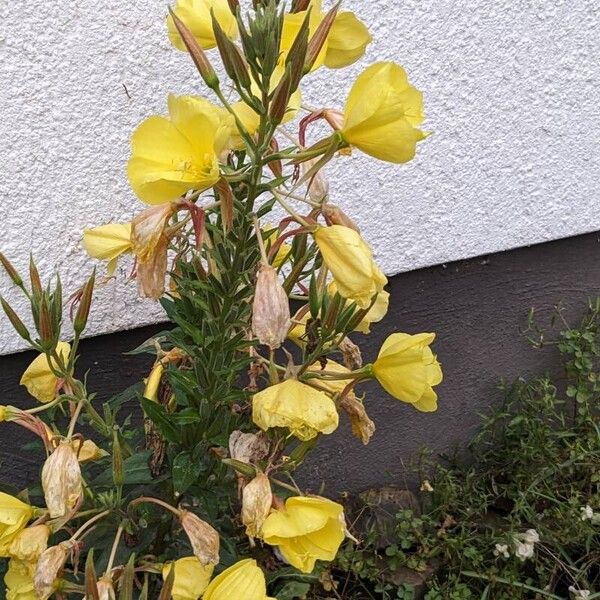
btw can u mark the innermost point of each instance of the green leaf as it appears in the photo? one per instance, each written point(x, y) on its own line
point(185, 472)
point(159, 416)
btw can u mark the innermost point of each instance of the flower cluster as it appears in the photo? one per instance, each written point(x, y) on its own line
point(230, 407)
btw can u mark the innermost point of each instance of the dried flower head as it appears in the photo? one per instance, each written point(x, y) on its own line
point(106, 590)
point(257, 499)
point(49, 565)
point(61, 480)
point(271, 317)
point(203, 537)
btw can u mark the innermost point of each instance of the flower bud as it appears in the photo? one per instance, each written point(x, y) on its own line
point(61, 480)
point(204, 538)
point(106, 591)
point(257, 499)
point(48, 567)
point(271, 317)
point(10, 270)
point(83, 312)
point(29, 544)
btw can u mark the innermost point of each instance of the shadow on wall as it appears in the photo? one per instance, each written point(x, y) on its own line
point(477, 307)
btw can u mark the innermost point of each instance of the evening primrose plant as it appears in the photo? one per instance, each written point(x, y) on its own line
point(199, 499)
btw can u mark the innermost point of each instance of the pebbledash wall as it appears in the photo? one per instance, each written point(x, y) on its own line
point(512, 90)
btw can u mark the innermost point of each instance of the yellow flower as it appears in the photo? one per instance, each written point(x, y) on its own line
point(19, 581)
point(284, 250)
point(108, 242)
point(171, 156)
point(191, 578)
point(382, 114)
point(407, 369)
point(195, 14)
point(346, 43)
point(350, 260)
point(39, 379)
point(375, 314)
point(14, 516)
point(29, 543)
point(308, 529)
point(306, 412)
point(242, 581)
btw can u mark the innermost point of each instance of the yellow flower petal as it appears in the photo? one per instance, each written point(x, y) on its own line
point(108, 242)
point(14, 516)
point(242, 581)
point(195, 14)
point(191, 577)
point(39, 379)
point(347, 41)
point(382, 113)
point(306, 412)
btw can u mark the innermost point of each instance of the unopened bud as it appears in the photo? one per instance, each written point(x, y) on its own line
point(10, 270)
point(34, 278)
point(233, 61)
point(61, 480)
point(117, 459)
point(49, 565)
point(203, 538)
point(85, 303)
point(153, 382)
point(45, 326)
point(336, 216)
point(319, 38)
point(281, 98)
point(271, 319)
point(106, 591)
point(257, 499)
point(300, 5)
point(198, 55)
point(29, 544)
point(15, 321)
point(233, 6)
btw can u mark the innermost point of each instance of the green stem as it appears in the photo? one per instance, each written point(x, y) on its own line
point(511, 583)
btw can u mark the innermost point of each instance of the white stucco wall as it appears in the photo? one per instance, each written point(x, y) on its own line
point(512, 93)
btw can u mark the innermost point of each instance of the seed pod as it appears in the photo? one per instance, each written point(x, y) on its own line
point(271, 319)
point(48, 567)
point(61, 480)
point(257, 499)
point(204, 538)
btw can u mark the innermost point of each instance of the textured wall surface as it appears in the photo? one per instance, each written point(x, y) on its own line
point(512, 93)
point(478, 309)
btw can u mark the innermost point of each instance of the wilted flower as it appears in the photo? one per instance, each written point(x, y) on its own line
point(19, 580)
point(195, 14)
point(310, 528)
point(191, 577)
point(362, 426)
point(106, 590)
point(350, 260)
point(531, 536)
point(426, 486)
point(242, 581)
point(271, 309)
point(382, 114)
point(29, 543)
point(524, 550)
point(257, 499)
point(108, 242)
point(501, 550)
point(171, 156)
point(587, 513)
point(306, 412)
point(203, 538)
point(61, 480)
point(248, 447)
point(407, 369)
point(14, 516)
point(49, 565)
point(579, 594)
point(39, 379)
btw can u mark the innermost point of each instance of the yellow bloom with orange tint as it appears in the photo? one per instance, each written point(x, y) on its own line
point(308, 529)
point(382, 114)
point(306, 412)
point(408, 370)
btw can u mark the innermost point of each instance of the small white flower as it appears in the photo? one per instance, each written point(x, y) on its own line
point(587, 513)
point(426, 486)
point(531, 536)
point(579, 594)
point(524, 550)
point(502, 550)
